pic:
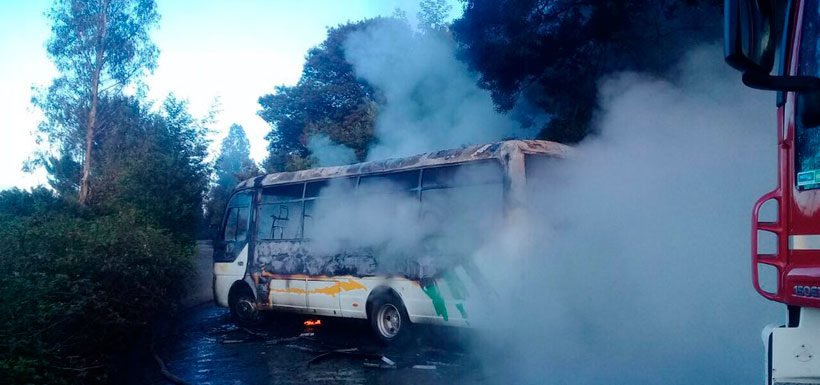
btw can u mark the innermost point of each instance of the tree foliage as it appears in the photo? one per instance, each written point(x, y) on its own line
point(99, 47)
point(78, 288)
point(92, 277)
point(152, 162)
point(433, 15)
point(233, 165)
point(328, 99)
point(553, 52)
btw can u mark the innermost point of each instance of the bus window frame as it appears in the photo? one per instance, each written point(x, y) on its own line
point(417, 191)
point(355, 184)
point(502, 182)
point(221, 243)
point(228, 208)
point(258, 208)
point(376, 175)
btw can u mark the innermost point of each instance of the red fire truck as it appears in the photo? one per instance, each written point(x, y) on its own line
point(774, 43)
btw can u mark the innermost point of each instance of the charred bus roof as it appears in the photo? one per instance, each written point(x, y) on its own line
point(495, 150)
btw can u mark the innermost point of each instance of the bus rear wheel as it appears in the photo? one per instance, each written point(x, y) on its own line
point(389, 320)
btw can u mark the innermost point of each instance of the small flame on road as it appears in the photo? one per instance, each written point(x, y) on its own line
point(313, 322)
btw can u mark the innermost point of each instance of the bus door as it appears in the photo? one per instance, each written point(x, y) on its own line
point(231, 250)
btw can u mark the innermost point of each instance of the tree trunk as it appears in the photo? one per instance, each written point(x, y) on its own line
point(85, 182)
point(91, 122)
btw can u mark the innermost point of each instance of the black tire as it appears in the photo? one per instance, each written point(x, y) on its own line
point(388, 320)
point(242, 304)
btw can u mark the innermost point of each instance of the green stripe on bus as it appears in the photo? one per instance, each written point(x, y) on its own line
point(438, 302)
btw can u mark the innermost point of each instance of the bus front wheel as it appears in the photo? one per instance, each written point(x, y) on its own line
point(242, 304)
point(389, 320)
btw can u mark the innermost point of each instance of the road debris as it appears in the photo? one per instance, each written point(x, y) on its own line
point(277, 341)
point(304, 348)
point(388, 361)
point(381, 363)
point(425, 367)
point(255, 333)
point(240, 335)
point(377, 365)
point(351, 352)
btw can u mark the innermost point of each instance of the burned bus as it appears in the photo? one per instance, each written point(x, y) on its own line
point(387, 241)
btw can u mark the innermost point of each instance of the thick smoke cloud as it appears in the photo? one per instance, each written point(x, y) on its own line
point(632, 266)
point(418, 238)
point(641, 269)
point(328, 153)
point(432, 101)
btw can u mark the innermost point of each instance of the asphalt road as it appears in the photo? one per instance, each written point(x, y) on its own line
point(205, 347)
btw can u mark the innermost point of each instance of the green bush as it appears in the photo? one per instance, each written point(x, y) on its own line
point(77, 289)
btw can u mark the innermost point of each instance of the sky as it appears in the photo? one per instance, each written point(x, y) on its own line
point(212, 53)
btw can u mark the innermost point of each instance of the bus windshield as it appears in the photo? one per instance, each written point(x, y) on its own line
point(807, 134)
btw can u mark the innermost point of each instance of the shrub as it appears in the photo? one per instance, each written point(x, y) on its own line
point(77, 288)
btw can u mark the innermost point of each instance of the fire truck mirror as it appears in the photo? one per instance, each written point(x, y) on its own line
point(767, 277)
point(749, 35)
point(766, 243)
point(768, 211)
point(808, 109)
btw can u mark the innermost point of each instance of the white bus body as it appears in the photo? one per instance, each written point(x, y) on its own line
point(264, 259)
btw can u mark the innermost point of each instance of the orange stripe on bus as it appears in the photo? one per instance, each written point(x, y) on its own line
point(331, 290)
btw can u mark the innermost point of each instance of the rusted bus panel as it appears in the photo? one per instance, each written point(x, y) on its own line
point(284, 258)
point(498, 150)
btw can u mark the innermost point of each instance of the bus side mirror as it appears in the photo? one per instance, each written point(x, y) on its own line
point(748, 36)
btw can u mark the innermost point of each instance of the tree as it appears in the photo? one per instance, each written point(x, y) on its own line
point(101, 273)
point(433, 15)
point(93, 284)
point(153, 163)
point(99, 47)
point(329, 99)
point(553, 52)
point(233, 165)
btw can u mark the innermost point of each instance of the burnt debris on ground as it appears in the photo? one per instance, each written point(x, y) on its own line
point(207, 348)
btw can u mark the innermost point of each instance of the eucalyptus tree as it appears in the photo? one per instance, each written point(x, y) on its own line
point(100, 48)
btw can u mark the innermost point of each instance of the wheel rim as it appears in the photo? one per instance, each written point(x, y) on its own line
point(389, 320)
point(245, 309)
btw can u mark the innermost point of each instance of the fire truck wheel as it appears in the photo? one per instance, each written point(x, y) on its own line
point(242, 304)
point(388, 320)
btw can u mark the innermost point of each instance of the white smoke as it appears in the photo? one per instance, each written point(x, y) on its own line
point(633, 266)
point(326, 152)
point(408, 235)
point(641, 269)
point(432, 100)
